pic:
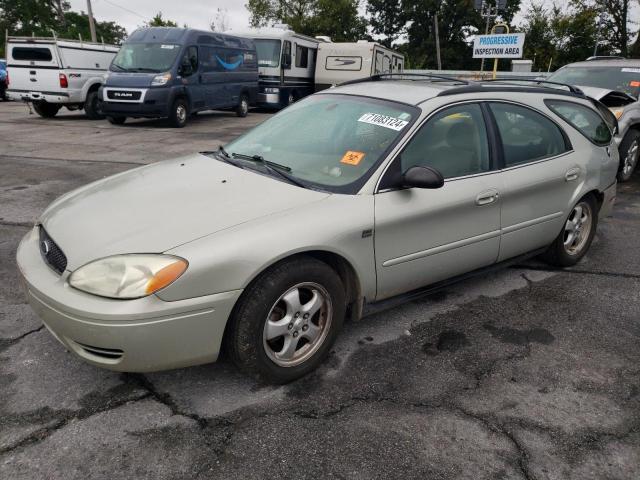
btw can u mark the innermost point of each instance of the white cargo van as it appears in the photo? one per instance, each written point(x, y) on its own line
point(340, 62)
point(52, 73)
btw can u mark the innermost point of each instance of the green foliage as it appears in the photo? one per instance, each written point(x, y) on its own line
point(158, 21)
point(338, 19)
point(43, 17)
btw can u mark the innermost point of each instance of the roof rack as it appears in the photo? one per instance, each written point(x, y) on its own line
point(403, 76)
point(540, 83)
point(605, 57)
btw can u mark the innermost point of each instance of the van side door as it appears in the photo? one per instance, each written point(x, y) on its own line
point(189, 71)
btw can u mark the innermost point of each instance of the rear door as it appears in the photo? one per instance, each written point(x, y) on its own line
point(34, 67)
point(542, 175)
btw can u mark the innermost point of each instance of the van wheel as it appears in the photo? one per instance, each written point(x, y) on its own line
point(117, 120)
point(93, 106)
point(629, 155)
point(243, 107)
point(287, 320)
point(291, 99)
point(46, 110)
point(576, 235)
point(179, 113)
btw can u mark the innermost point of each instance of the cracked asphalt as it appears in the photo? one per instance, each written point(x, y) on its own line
point(529, 373)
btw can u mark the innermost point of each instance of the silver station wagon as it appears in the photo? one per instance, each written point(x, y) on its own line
point(335, 207)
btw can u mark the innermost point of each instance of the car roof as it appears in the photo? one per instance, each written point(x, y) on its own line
point(613, 62)
point(403, 91)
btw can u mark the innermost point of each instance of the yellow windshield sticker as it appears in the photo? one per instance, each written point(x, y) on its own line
point(352, 158)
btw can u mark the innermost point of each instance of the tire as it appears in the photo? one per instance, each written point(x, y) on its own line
point(243, 106)
point(291, 99)
point(629, 154)
point(569, 247)
point(93, 106)
point(179, 113)
point(262, 307)
point(46, 110)
point(117, 120)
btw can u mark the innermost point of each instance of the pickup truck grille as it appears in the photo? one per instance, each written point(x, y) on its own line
point(51, 253)
point(123, 95)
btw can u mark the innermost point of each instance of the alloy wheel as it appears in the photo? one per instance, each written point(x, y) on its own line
point(631, 158)
point(297, 324)
point(578, 228)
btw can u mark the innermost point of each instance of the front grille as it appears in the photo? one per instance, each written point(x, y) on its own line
point(51, 253)
point(123, 95)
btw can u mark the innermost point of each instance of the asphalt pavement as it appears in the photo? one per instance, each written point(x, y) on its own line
point(529, 373)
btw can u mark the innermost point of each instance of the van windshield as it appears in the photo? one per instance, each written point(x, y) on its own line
point(145, 57)
point(332, 142)
point(268, 52)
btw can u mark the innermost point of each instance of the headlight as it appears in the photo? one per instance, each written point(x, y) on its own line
point(128, 276)
point(271, 90)
point(161, 79)
point(617, 112)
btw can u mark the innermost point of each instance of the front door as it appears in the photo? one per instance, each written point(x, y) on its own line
point(425, 236)
point(191, 77)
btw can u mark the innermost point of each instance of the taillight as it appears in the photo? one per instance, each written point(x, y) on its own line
point(63, 81)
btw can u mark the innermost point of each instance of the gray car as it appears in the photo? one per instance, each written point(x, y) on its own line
point(335, 207)
point(616, 83)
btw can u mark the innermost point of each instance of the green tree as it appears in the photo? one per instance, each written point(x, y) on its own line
point(387, 19)
point(338, 19)
point(158, 21)
point(614, 21)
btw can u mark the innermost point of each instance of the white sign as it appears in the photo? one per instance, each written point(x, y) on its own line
point(503, 45)
point(383, 121)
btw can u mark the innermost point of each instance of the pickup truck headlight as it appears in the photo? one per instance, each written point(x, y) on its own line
point(161, 79)
point(128, 276)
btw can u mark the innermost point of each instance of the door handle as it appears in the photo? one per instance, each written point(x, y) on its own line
point(486, 198)
point(572, 174)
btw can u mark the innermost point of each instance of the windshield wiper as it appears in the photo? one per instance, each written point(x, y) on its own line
point(222, 154)
point(281, 170)
point(122, 69)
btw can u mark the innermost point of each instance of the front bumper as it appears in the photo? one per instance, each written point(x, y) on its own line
point(608, 201)
point(142, 335)
point(154, 103)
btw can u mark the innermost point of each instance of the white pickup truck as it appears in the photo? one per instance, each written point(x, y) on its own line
point(52, 73)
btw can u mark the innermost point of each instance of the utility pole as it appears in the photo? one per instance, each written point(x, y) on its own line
point(92, 25)
point(435, 25)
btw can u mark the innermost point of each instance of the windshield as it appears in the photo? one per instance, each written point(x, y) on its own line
point(329, 141)
point(268, 52)
point(145, 57)
point(623, 79)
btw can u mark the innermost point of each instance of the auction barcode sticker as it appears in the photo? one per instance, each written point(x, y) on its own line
point(383, 121)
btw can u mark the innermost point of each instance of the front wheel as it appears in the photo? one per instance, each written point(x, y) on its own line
point(629, 154)
point(243, 106)
point(46, 110)
point(179, 113)
point(574, 240)
point(93, 107)
point(287, 320)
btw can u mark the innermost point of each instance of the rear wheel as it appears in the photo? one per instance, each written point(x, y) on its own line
point(179, 113)
point(576, 236)
point(117, 120)
point(629, 154)
point(93, 106)
point(243, 106)
point(287, 320)
point(46, 110)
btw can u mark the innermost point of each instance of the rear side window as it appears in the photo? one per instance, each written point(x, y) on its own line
point(527, 136)
point(31, 54)
point(584, 119)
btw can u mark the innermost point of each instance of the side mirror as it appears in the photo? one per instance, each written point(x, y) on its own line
point(422, 177)
point(286, 60)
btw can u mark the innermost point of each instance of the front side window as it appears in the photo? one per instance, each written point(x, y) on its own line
point(454, 142)
point(302, 56)
point(145, 57)
point(268, 52)
point(189, 63)
point(585, 120)
point(330, 141)
point(34, 54)
point(526, 135)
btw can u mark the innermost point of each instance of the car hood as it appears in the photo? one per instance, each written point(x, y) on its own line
point(161, 206)
point(606, 96)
